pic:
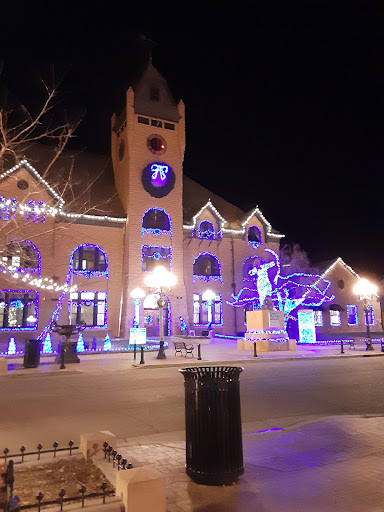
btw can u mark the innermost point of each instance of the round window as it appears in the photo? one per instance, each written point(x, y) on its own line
point(158, 179)
point(121, 149)
point(156, 144)
point(22, 184)
point(340, 284)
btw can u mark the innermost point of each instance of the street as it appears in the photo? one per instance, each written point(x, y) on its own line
point(47, 408)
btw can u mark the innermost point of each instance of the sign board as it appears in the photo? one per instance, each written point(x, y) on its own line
point(274, 319)
point(138, 336)
point(307, 330)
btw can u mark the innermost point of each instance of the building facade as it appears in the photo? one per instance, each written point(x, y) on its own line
point(74, 248)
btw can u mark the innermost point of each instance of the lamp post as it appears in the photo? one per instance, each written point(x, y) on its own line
point(137, 294)
point(209, 296)
point(158, 281)
point(366, 291)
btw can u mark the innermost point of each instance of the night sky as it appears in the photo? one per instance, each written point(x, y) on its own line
point(283, 101)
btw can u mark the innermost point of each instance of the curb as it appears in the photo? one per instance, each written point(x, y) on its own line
point(252, 360)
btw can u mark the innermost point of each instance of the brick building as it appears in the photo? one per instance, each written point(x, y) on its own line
point(115, 223)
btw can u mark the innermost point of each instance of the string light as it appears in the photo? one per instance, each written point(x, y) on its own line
point(11, 347)
point(107, 343)
point(156, 231)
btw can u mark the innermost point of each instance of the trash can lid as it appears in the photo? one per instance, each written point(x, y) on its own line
point(211, 372)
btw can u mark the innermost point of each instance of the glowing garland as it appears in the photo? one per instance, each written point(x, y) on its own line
point(53, 211)
point(80, 343)
point(107, 343)
point(183, 325)
point(157, 255)
point(256, 211)
point(47, 345)
point(79, 302)
point(156, 231)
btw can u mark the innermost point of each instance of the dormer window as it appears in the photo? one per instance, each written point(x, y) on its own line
point(206, 230)
point(154, 94)
point(254, 236)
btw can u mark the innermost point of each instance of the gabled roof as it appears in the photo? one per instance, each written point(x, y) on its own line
point(258, 213)
point(331, 264)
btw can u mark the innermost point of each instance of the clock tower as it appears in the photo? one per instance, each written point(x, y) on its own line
point(148, 142)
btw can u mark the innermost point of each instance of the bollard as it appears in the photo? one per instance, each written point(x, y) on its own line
point(134, 351)
point(62, 356)
point(198, 352)
point(103, 488)
point(142, 355)
point(22, 449)
point(254, 349)
point(342, 347)
point(39, 447)
point(55, 445)
point(70, 444)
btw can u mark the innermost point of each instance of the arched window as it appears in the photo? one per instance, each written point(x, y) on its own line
point(89, 260)
point(23, 255)
point(254, 236)
point(250, 264)
point(207, 267)
point(206, 230)
point(7, 208)
point(156, 221)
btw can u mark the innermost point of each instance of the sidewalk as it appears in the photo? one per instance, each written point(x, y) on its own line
point(328, 465)
point(219, 352)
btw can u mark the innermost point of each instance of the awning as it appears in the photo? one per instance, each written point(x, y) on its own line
point(336, 307)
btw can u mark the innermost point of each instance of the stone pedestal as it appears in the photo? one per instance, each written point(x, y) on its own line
point(266, 328)
point(70, 352)
point(92, 443)
point(141, 490)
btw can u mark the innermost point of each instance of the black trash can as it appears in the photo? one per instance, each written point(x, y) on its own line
point(32, 353)
point(214, 446)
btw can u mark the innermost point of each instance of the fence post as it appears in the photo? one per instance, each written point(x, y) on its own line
point(254, 349)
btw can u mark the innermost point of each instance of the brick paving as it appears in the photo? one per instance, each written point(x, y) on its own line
point(331, 465)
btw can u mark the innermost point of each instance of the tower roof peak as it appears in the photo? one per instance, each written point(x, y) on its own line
point(153, 97)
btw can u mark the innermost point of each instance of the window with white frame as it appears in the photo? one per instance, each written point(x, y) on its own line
point(18, 310)
point(318, 315)
point(205, 313)
point(335, 317)
point(89, 307)
point(352, 314)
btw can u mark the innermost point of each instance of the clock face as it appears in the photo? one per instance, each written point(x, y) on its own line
point(156, 144)
point(158, 179)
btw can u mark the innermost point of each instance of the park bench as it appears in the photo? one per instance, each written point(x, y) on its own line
point(180, 347)
point(358, 342)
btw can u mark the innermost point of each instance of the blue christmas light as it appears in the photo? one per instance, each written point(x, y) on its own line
point(47, 345)
point(156, 231)
point(107, 343)
point(8, 208)
point(11, 347)
point(183, 325)
point(156, 252)
point(80, 343)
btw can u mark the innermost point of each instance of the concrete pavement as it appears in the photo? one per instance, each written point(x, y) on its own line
point(217, 352)
point(326, 465)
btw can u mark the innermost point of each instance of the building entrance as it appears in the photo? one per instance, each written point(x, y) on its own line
point(152, 317)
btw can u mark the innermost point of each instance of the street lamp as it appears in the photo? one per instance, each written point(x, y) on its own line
point(209, 297)
point(137, 294)
point(159, 280)
point(366, 291)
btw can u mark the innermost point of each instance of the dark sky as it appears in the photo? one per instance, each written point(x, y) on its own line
point(283, 101)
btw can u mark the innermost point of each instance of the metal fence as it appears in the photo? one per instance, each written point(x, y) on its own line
point(23, 453)
point(13, 502)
